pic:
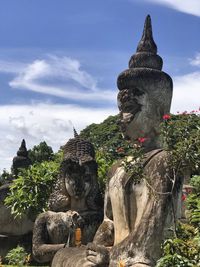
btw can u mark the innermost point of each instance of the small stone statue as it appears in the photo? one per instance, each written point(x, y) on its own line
point(13, 229)
point(21, 160)
point(74, 203)
point(134, 219)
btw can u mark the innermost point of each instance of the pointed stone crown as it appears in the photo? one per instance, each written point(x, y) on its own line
point(146, 53)
point(79, 149)
point(22, 152)
point(21, 160)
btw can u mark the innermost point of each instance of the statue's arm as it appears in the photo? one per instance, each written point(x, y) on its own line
point(105, 233)
point(42, 250)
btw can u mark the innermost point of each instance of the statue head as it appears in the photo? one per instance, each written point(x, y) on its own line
point(79, 171)
point(145, 92)
point(22, 159)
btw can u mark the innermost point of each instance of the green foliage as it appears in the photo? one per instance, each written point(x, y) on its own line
point(104, 162)
point(5, 177)
point(109, 145)
point(193, 202)
point(195, 182)
point(107, 136)
point(184, 250)
point(29, 192)
point(133, 164)
point(180, 135)
point(17, 256)
point(41, 152)
point(179, 252)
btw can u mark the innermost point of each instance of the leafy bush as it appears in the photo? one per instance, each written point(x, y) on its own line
point(184, 250)
point(30, 191)
point(5, 177)
point(41, 152)
point(109, 145)
point(193, 204)
point(195, 182)
point(180, 135)
point(178, 252)
point(17, 256)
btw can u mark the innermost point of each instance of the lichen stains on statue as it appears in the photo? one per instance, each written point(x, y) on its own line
point(134, 220)
point(74, 203)
point(77, 187)
point(145, 92)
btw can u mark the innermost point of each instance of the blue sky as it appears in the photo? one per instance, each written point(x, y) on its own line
point(59, 61)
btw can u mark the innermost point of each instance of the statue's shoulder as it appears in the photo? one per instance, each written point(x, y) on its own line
point(113, 168)
point(156, 155)
point(44, 215)
point(157, 162)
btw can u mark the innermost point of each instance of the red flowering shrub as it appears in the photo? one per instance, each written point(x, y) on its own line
point(141, 140)
point(166, 117)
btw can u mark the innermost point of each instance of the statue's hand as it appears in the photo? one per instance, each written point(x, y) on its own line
point(97, 255)
point(74, 219)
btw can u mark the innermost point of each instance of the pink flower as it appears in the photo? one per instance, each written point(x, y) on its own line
point(166, 117)
point(183, 198)
point(120, 149)
point(141, 140)
point(185, 112)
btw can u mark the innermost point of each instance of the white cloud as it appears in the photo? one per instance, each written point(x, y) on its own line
point(38, 122)
point(186, 95)
point(57, 76)
point(187, 6)
point(12, 67)
point(195, 61)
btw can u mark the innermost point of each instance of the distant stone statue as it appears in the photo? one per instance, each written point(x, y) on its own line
point(22, 159)
point(74, 203)
point(13, 229)
point(134, 219)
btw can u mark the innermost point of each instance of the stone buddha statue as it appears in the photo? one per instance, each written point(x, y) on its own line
point(22, 159)
point(74, 203)
point(136, 214)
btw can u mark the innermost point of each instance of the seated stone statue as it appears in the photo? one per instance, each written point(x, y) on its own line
point(13, 229)
point(74, 203)
point(136, 213)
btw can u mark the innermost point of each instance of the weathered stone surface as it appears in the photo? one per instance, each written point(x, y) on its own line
point(74, 203)
point(21, 160)
point(12, 230)
point(136, 214)
point(9, 225)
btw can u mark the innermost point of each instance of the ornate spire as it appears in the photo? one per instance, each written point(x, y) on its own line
point(75, 133)
point(21, 160)
point(147, 43)
point(146, 54)
point(22, 150)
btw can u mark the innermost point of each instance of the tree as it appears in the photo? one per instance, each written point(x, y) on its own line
point(41, 152)
point(29, 192)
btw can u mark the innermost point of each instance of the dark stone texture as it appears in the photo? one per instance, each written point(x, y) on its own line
point(21, 160)
point(74, 203)
point(147, 43)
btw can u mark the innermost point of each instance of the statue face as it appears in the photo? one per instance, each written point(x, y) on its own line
point(78, 179)
point(141, 114)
